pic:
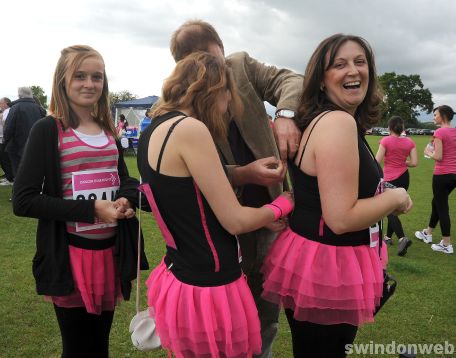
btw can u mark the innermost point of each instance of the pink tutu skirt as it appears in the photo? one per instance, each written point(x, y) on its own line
point(323, 284)
point(193, 321)
point(97, 283)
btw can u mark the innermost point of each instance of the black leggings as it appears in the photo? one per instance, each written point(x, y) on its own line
point(442, 186)
point(84, 334)
point(319, 341)
point(394, 224)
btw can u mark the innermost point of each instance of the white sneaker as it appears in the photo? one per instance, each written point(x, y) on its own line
point(6, 182)
point(440, 247)
point(423, 236)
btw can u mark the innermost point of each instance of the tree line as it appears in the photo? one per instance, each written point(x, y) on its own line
point(403, 95)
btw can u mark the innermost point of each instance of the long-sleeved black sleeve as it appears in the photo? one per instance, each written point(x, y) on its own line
point(37, 185)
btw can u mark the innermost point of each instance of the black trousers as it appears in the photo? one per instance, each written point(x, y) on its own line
point(84, 335)
point(5, 163)
point(394, 224)
point(15, 161)
point(319, 341)
point(442, 186)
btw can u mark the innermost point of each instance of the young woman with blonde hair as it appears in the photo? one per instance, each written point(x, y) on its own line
point(71, 173)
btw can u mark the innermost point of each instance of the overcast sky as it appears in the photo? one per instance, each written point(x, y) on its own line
point(408, 36)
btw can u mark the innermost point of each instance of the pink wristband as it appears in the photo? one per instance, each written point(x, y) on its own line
point(276, 210)
point(281, 207)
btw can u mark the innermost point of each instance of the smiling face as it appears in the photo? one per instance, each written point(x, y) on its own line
point(85, 86)
point(346, 80)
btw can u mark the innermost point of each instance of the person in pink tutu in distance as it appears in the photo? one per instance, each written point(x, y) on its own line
point(74, 265)
point(325, 269)
point(198, 295)
point(398, 154)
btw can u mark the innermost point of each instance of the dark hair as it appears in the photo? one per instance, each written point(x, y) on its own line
point(197, 82)
point(396, 125)
point(445, 111)
point(192, 36)
point(122, 117)
point(7, 101)
point(314, 100)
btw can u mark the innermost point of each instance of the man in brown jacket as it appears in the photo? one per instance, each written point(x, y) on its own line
point(250, 153)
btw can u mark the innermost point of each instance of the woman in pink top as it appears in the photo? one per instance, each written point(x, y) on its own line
point(398, 153)
point(444, 179)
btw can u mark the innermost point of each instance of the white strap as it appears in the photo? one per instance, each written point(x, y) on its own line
point(138, 266)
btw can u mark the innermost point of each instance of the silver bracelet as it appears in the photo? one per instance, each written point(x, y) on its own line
point(388, 185)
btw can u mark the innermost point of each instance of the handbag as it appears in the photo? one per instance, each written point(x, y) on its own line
point(143, 331)
point(389, 286)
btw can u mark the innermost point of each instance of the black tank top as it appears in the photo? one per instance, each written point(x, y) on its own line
point(306, 219)
point(205, 254)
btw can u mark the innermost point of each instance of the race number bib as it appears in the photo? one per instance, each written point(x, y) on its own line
point(95, 185)
point(374, 233)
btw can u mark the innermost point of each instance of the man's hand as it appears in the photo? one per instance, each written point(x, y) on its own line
point(264, 171)
point(278, 225)
point(287, 136)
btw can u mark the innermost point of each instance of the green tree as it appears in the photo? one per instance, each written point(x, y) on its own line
point(38, 92)
point(115, 97)
point(404, 96)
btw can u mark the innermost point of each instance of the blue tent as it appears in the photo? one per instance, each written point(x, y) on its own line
point(133, 110)
point(139, 103)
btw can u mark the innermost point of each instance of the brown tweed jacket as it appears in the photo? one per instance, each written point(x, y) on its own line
point(256, 83)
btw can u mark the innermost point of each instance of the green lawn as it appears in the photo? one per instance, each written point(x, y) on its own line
point(422, 310)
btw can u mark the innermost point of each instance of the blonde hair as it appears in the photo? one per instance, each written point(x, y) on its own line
point(59, 106)
point(197, 82)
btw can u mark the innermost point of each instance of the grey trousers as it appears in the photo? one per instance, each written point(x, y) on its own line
point(254, 247)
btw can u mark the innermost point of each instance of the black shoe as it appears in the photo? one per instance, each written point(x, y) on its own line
point(403, 245)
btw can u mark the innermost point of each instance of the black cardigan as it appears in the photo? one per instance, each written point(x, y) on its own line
point(38, 194)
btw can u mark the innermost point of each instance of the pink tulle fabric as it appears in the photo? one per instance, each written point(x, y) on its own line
point(323, 284)
point(193, 321)
point(97, 284)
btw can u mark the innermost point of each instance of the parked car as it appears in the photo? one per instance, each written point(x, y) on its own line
point(427, 132)
point(376, 130)
point(384, 132)
point(411, 131)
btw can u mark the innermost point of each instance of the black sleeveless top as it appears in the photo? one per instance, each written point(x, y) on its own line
point(205, 253)
point(306, 219)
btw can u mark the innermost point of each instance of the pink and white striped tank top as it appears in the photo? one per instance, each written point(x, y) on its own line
point(78, 156)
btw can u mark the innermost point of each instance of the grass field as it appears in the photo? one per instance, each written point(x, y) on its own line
point(423, 309)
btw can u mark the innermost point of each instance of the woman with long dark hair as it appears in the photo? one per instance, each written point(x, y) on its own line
point(326, 268)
